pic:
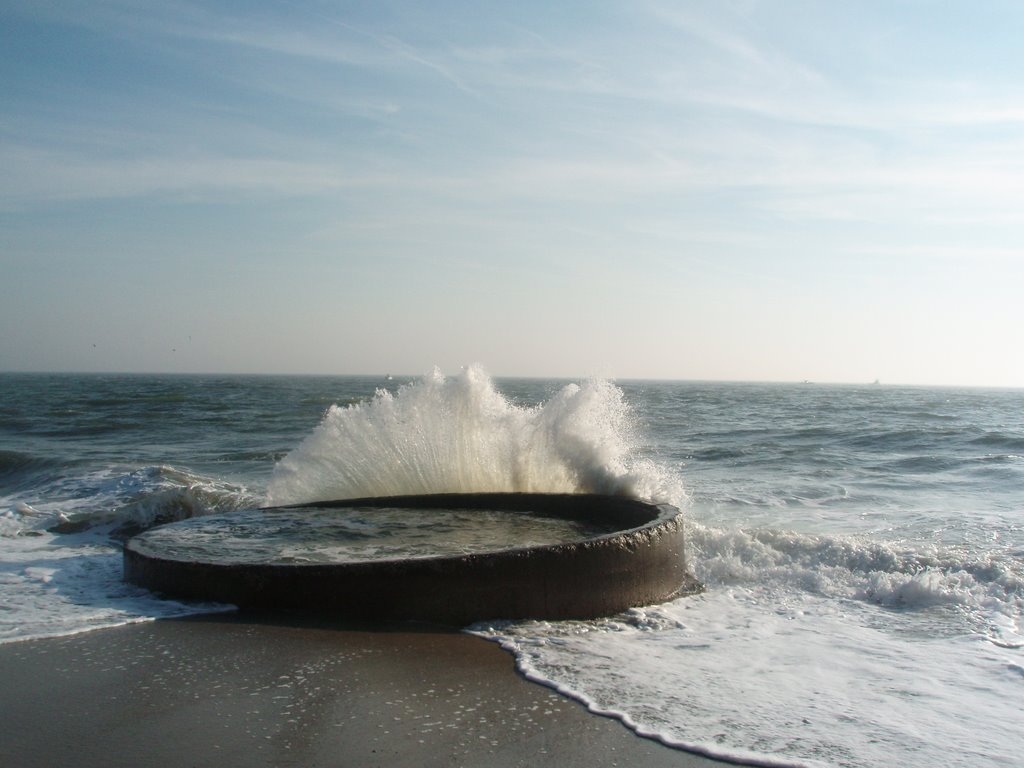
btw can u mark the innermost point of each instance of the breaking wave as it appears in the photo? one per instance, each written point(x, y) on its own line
point(458, 434)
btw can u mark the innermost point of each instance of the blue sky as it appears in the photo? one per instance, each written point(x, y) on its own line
point(699, 190)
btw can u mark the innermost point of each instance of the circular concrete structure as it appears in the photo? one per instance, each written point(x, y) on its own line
point(631, 554)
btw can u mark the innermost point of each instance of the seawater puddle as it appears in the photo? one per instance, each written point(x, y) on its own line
point(356, 534)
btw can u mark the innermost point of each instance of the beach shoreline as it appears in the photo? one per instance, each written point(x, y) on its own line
point(231, 690)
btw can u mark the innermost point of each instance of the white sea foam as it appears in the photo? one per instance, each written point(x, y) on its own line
point(769, 678)
point(458, 434)
point(54, 583)
point(989, 592)
point(806, 651)
point(135, 499)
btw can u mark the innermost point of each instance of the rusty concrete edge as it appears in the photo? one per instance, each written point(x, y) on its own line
point(638, 565)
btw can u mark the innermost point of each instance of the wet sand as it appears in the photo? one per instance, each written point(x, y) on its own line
point(228, 691)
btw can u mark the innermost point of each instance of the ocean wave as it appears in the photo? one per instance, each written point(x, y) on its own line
point(124, 503)
point(460, 435)
point(857, 568)
point(930, 464)
point(17, 467)
point(720, 454)
point(910, 440)
point(1009, 443)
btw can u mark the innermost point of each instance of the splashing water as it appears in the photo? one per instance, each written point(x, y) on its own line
point(460, 435)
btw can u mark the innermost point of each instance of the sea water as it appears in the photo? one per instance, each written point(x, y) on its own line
point(336, 535)
point(862, 546)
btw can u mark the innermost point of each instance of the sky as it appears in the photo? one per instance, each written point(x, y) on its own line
point(771, 191)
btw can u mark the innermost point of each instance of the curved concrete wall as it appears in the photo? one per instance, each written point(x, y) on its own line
point(643, 562)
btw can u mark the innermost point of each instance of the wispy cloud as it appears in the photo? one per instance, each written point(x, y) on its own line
point(36, 176)
point(755, 60)
point(684, 100)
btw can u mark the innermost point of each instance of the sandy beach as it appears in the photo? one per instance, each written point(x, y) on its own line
point(227, 691)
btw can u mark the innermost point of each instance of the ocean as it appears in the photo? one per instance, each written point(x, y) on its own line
point(862, 547)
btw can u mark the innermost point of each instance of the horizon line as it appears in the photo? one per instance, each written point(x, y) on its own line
point(386, 376)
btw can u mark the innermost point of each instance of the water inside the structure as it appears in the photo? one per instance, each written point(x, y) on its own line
point(353, 534)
